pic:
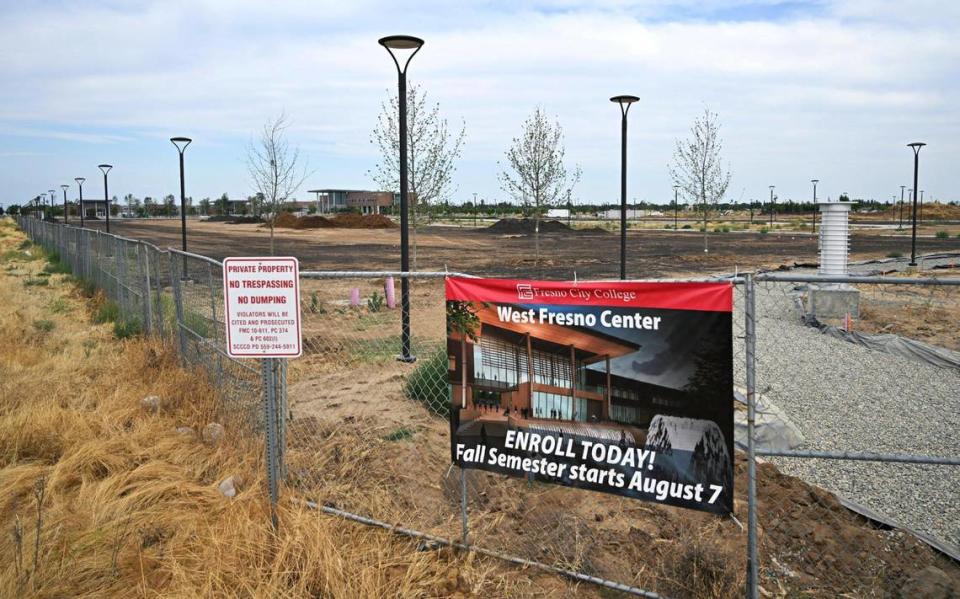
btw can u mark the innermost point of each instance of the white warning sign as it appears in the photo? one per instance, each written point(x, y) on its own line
point(262, 304)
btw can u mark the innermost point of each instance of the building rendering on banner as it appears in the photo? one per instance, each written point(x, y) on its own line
point(572, 380)
point(366, 202)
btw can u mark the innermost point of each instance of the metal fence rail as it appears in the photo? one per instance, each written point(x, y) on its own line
point(351, 431)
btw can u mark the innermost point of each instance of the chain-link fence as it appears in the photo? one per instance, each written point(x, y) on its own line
point(174, 296)
point(863, 374)
point(845, 475)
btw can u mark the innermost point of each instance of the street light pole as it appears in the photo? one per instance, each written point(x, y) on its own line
point(105, 168)
point(771, 204)
point(902, 188)
point(676, 208)
point(53, 198)
point(64, 187)
point(80, 181)
point(921, 206)
point(915, 146)
point(392, 44)
point(185, 141)
point(624, 102)
point(814, 181)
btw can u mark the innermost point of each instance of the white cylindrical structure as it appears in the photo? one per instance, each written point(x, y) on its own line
point(834, 238)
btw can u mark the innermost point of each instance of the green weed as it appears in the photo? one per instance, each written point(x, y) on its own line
point(44, 326)
point(59, 306)
point(401, 434)
point(127, 328)
point(429, 384)
point(107, 312)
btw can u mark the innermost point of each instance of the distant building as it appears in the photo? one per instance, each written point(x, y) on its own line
point(558, 213)
point(94, 208)
point(366, 202)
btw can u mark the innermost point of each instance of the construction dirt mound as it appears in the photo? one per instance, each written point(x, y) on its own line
point(524, 226)
point(931, 211)
point(340, 221)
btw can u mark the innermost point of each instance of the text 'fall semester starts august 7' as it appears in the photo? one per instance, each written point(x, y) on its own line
point(535, 451)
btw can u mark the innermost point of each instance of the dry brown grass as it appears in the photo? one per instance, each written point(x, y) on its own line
point(130, 507)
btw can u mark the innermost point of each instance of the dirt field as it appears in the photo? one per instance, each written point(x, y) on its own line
point(586, 254)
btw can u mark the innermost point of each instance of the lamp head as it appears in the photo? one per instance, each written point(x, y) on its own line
point(399, 44)
point(916, 146)
point(105, 168)
point(814, 181)
point(79, 180)
point(64, 187)
point(624, 102)
point(177, 141)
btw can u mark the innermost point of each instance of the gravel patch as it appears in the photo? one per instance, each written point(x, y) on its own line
point(844, 397)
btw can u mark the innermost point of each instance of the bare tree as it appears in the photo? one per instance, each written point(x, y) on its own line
point(276, 170)
point(536, 176)
point(432, 150)
point(697, 167)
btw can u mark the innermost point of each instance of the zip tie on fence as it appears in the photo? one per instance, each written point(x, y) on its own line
point(860, 456)
point(618, 586)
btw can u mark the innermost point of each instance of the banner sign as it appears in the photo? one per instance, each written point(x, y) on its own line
point(261, 297)
point(619, 387)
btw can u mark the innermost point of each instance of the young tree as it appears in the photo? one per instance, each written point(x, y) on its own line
point(432, 150)
point(536, 176)
point(276, 170)
point(205, 206)
point(223, 205)
point(169, 205)
point(697, 167)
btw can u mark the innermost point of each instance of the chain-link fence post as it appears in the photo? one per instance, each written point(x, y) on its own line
point(282, 417)
point(213, 319)
point(178, 303)
point(750, 340)
point(270, 368)
point(143, 264)
point(123, 294)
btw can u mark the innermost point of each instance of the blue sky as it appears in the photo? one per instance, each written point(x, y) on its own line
point(826, 89)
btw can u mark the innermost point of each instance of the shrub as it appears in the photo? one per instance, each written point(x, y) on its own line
point(764, 230)
point(943, 234)
point(55, 265)
point(127, 328)
point(44, 326)
point(87, 288)
point(59, 306)
point(107, 312)
point(429, 384)
point(375, 302)
point(894, 254)
point(686, 227)
point(315, 306)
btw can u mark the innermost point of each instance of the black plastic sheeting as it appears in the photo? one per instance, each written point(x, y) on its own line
point(912, 349)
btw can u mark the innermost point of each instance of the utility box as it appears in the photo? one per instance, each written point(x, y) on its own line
point(834, 300)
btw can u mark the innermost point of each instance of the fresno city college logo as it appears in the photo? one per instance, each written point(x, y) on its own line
point(524, 291)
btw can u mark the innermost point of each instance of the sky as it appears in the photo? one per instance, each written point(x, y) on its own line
point(825, 89)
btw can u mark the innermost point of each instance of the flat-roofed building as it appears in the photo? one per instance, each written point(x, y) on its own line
point(363, 201)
